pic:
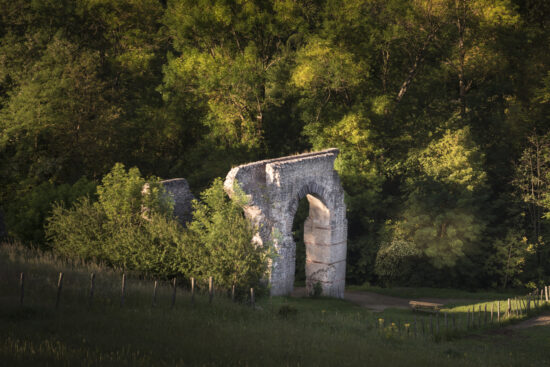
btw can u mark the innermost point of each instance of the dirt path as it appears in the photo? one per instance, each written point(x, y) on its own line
point(379, 302)
point(543, 319)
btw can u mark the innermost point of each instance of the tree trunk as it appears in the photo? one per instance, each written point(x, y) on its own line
point(461, 23)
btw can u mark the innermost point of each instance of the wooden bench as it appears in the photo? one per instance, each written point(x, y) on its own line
point(425, 306)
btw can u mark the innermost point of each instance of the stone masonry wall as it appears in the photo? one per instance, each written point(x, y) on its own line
point(274, 188)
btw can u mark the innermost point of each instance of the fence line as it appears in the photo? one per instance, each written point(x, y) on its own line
point(516, 308)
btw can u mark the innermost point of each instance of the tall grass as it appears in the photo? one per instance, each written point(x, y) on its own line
point(281, 331)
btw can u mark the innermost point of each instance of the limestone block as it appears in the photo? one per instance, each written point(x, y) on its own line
point(327, 254)
point(326, 273)
point(324, 235)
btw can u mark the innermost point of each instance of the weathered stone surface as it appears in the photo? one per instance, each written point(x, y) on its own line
point(274, 187)
point(178, 188)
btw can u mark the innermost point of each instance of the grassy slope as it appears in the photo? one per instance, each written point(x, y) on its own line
point(323, 332)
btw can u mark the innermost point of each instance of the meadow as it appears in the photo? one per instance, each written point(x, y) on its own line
point(278, 331)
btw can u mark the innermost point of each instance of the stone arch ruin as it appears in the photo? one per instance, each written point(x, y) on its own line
point(274, 187)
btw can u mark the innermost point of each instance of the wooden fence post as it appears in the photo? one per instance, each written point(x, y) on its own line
point(233, 293)
point(21, 288)
point(454, 322)
point(492, 308)
point(210, 289)
point(174, 287)
point(92, 288)
point(398, 327)
point(122, 289)
point(192, 291)
point(154, 301)
point(546, 292)
point(479, 317)
point(59, 287)
point(252, 297)
point(508, 308)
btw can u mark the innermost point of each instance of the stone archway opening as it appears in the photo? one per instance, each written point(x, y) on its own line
point(310, 225)
point(274, 188)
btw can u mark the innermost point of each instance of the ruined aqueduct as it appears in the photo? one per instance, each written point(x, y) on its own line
point(274, 187)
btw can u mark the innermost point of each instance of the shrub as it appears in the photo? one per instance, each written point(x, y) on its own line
point(317, 290)
point(223, 240)
point(26, 213)
point(286, 311)
point(395, 260)
point(128, 227)
point(131, 226)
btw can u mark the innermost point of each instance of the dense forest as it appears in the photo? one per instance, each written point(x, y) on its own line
point(440, 109)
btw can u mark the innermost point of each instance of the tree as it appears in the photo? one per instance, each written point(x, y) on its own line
point(509, 259)
point(445, 196)
point(223, 246)
point(232, 59)
point(532, 182)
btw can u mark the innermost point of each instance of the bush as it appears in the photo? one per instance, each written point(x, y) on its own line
point(130, 226)
point(395, 261)
point(26, 213)
point(317, 290)
point(223, 240)
point(286, 311)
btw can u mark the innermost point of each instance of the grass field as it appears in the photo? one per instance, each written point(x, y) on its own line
point(420, 292)
point(279, 332)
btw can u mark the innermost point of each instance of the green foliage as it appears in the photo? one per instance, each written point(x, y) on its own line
point(129, 227)
point(436, 106)
point(442, 214)
point(396, 260)
point(223, 246)
point(509, 260)
point(126, 194)
point(25, 214)
point(317, 290)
